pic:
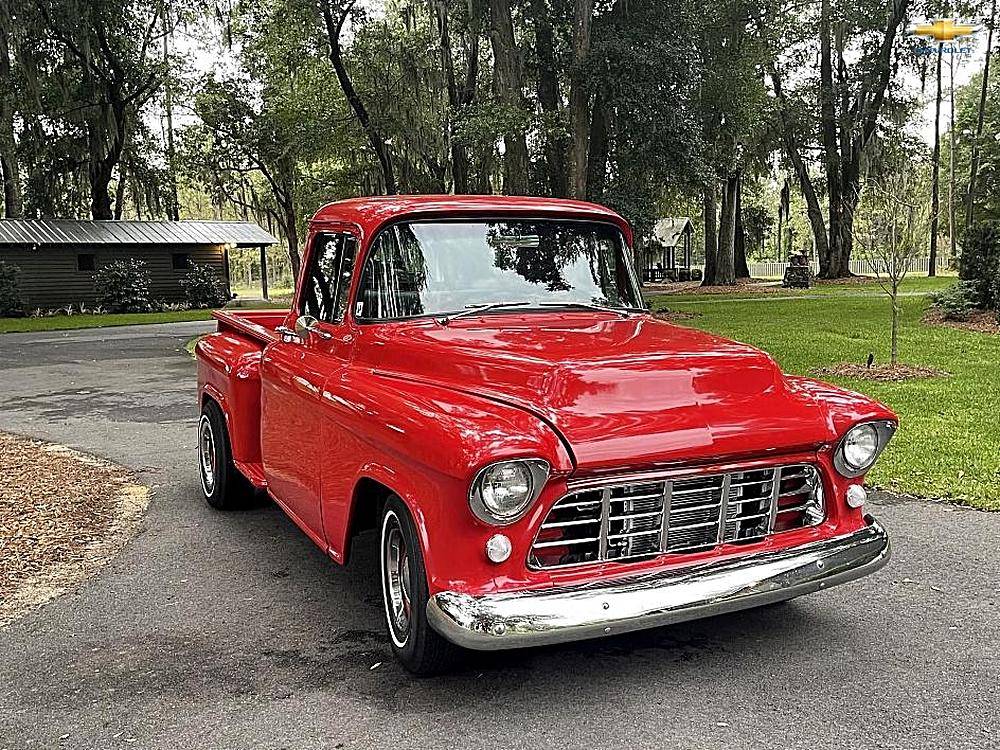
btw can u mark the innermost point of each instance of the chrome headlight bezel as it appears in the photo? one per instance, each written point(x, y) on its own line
point(884, 430)
point(538, 471)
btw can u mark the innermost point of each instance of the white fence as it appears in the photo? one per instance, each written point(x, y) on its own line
point(775, 270)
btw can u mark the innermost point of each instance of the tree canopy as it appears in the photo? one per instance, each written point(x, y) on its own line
point(267, 109)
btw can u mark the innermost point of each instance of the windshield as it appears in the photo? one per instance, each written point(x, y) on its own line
point(436, 268)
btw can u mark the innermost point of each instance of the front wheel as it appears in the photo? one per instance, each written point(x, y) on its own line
point(404, 591)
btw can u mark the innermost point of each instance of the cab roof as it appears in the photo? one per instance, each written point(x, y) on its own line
point(372, 213)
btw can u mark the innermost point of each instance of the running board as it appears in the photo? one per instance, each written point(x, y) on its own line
point(254, 473)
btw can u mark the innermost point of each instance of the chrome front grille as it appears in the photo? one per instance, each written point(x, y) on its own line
point(639, 519)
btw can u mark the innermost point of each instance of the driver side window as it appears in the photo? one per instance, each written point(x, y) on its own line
point(328, 283)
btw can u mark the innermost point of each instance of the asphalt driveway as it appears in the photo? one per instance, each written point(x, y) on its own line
point(234, 631)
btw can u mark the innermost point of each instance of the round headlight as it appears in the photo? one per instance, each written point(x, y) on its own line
point(860, 446)
point(503, 491)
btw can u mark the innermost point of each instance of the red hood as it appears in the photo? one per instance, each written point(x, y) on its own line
point(622, 392)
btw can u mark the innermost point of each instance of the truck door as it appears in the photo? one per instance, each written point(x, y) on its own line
point(294, 371)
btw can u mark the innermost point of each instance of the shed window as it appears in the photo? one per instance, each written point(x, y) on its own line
point(180, 261)
point(85, 262)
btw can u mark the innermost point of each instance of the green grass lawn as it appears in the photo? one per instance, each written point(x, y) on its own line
point(67, 322)
point(70, 322)
point(948, 444)
point(910, 285)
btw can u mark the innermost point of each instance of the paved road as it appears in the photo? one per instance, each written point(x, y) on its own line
point(233, 631)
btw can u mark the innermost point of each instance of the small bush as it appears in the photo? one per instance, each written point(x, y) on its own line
point(204, 288)
point(958, 301)
point(123, 286)
point(979, 264)
point(10, 290)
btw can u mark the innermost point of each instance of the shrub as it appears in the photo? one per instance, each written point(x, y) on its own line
point(10, 290)
point(958, 301)
point(979, 264)
point(123, 286)
point(203, 287)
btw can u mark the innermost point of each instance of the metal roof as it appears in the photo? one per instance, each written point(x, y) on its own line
point(71, 232)
point(668, 231)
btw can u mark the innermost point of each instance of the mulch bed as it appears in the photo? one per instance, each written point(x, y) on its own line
point(881, 373)
point(747, 287)
point(981, 321)
point(672, 316)
point(63, 514)
point(847, 281)
point(743, 286)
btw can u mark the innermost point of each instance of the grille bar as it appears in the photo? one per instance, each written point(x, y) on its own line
point(633, 520)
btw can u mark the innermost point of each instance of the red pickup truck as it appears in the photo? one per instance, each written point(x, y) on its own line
point(478, 379)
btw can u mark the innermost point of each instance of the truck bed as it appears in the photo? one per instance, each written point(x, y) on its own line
point(258, 325)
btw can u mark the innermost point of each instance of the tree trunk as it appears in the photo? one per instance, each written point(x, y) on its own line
point(173, 208)
point(507, 79)
point(725, 264)
point(710, 208)
point(334, 25)
point(951, 160)
point(548, 100)
point(597, 151)
point(830, 265)
point(102, 165)
point(106, 134)
point(740, 238)
point(894, 346)
point(579, 98)
point(9, 171)
point(791, 145)
point(970, 195)
point(120, 192)
point(459, 157)
point(292, 238)
point(935, 169)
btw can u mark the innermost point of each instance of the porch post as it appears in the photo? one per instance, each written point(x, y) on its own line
point(263, 271)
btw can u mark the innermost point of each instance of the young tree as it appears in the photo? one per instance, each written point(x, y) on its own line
point(890, 226)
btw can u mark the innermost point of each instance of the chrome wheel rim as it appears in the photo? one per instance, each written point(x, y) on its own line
point(206, 454)
point(396, 579)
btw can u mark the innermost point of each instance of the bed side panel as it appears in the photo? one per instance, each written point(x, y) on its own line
point(229, 372)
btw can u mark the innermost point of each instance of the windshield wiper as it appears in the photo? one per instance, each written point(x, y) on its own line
point(476, 309)
point(625, 312)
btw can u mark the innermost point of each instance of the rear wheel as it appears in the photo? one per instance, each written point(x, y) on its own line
point(404, 591)
point(221, 482)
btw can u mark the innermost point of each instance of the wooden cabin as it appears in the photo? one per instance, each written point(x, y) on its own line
point(58, 258)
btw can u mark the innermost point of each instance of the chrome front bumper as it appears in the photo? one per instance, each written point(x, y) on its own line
point(533, 618)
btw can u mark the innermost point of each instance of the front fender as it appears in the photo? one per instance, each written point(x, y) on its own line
point(426, 443)
point(843, 408)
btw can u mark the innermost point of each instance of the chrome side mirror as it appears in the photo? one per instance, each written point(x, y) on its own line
point(306, 324)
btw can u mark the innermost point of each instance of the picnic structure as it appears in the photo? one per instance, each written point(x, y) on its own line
point(666, 256)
